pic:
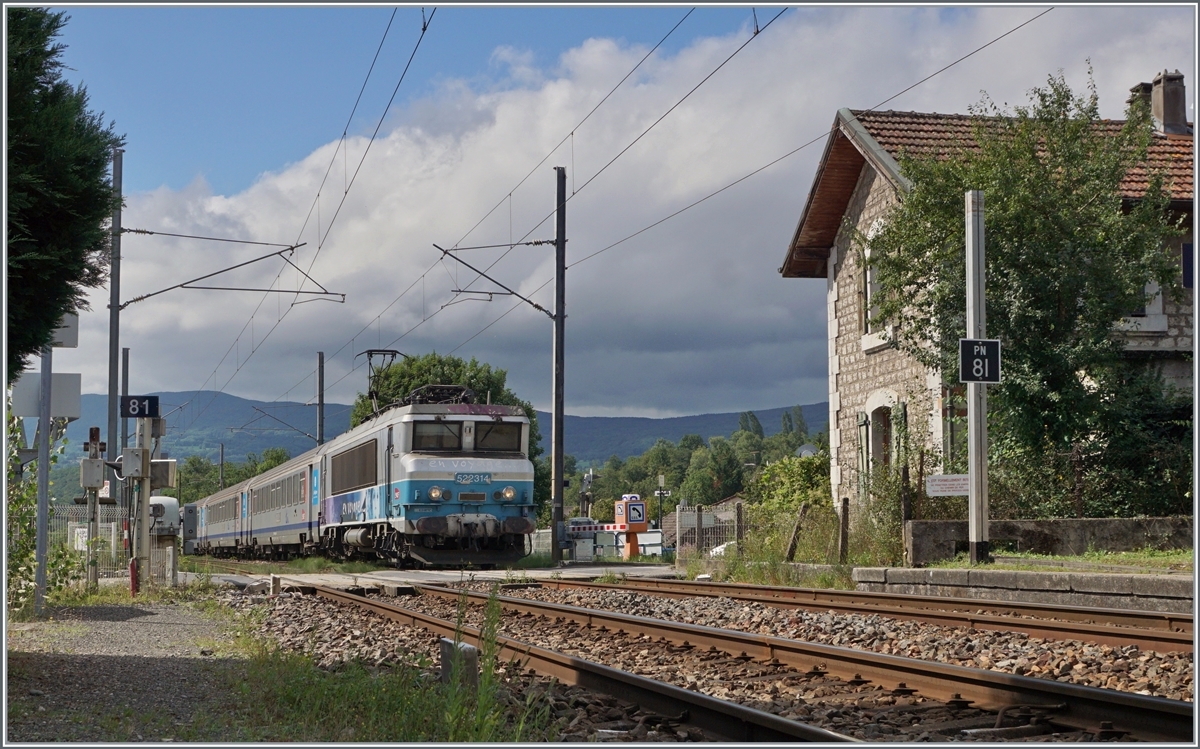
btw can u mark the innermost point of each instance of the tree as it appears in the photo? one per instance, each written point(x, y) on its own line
point(714, 473)
point(401, 378)
point(60, 197)
point(787, 426)
point(799, 426)
point(748, 422)
point(691, 442)
point(1067, 257)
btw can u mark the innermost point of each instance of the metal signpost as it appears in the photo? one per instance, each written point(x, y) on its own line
point(662, 495)
point(91, 478)
point(979, 364)
point(135, 464)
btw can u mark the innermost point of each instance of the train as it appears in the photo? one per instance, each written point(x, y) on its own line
point(434, 480)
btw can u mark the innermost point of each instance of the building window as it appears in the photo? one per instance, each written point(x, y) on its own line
point(870, 290)
point(1187, 265)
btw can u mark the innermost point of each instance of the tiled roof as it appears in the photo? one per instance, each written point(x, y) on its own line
point(880, 137)
point(928, 134)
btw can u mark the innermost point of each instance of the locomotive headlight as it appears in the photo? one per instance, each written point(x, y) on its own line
point(435, 492)
point(509, 492)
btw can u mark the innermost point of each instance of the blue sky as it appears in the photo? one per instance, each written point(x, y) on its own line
point(242, 90)
point(234, 114)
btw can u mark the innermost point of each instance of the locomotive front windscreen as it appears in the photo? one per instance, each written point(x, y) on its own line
point(437, 435)
point(498, 437)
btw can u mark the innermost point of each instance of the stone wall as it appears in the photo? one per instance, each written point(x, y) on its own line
point(928, 541)
point(1167, 593)
point(862, 370)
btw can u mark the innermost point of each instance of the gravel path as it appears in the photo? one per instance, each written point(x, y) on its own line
point(114, 673)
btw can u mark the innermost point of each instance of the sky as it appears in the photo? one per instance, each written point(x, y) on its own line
point(234, 120)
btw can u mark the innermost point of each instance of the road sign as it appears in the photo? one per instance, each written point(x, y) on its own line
point(978, 360)
point(139, 407)
point(637, 512)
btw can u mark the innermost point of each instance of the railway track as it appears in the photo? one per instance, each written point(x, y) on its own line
point(725, 720)
point(1160, 631)
point(872, 683)
point(931, 701)
point(1148, 630)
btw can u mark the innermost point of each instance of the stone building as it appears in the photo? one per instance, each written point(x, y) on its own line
point(857, 179)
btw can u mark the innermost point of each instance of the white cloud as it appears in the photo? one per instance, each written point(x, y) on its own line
point(689, 317)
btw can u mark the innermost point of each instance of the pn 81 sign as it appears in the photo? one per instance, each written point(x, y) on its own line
point(978, 360)
point(139, 406)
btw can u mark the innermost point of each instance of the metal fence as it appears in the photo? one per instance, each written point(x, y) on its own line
point(707, 530)
point(68, 531)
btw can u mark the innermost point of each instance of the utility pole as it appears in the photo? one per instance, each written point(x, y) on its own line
point(112, 492)
point(124, 391)
point(221, 469)
point(43, 480)
point(557, 531)
point(320, 397)
point(977, 439)
point(114, 317)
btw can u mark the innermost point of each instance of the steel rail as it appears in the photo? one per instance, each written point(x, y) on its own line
point(727, 720)
point(1084, 708)
point(1173, 621)
point(1157, 638)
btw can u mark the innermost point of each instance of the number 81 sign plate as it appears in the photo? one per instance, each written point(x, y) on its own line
point(139, 406)
point(978, 360)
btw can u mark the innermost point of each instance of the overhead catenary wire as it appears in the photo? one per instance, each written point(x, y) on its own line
point(643, 134)
point(151, 233)
point(747, 176)
point(507, 197)
point(254, 348)
point(701, 200)
point(466, 288)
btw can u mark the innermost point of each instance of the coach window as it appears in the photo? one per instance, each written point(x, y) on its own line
point(437, 435)
point(494, 436)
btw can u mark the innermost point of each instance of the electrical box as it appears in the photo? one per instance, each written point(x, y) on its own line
point(163, 474)
point(584, 550)
point(91, 473)
point(135, 463)
point(158, 428)
point(189, 522)
point(164, 516)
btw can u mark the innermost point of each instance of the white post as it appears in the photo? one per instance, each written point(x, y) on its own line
point(142, 487)
point(43, 481)
point(977, 440)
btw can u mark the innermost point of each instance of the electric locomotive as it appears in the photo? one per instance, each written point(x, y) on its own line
point(435, 479)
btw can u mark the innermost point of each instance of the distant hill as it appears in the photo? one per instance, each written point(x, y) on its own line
point(208, 419)
point(597, 438)
point(198, 422)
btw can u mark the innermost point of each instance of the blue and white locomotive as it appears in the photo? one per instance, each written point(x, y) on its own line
point(439, 480)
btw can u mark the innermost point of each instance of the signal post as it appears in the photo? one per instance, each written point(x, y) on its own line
point(91, 478)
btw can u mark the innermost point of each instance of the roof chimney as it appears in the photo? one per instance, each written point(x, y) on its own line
point(1140, 92)
point(1168, 104)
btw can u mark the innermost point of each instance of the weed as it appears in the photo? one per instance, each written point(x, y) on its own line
point(612, 578)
